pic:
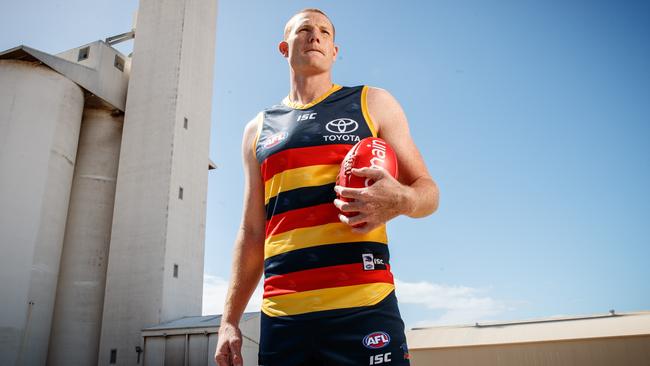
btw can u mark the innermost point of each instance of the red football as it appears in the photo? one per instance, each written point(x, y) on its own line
point(369, 152)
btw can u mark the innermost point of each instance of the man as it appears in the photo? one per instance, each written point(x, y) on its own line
point(328, 291)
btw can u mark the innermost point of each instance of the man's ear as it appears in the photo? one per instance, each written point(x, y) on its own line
point(283, 47)
point(336, 52)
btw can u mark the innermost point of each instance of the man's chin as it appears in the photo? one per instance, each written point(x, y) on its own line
point(313, 68)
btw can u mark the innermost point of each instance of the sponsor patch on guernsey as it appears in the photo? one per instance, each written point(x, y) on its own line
point(368, 261)
point(376, 340)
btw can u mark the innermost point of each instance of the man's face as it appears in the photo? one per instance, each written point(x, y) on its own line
point(309, 44)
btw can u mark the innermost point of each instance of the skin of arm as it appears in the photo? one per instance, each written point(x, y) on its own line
point(248, 256)
point(414, 195)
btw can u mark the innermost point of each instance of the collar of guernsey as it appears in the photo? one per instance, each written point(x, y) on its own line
point(314, 264)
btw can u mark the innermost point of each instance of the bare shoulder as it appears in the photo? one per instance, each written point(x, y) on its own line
point(253, 216)
point(252, 128)
point(385, 110)
point(379, 94)
point(250, 136)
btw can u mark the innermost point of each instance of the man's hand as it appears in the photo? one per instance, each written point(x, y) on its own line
point(376, 204)
point(229, 346)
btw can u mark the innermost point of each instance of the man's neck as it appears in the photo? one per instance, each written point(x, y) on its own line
point(305, 89)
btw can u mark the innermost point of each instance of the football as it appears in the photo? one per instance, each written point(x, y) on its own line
point(369, 152)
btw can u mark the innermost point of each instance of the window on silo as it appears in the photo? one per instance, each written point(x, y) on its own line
point(83, 53)
point(185, 123)
point(113, 359)
point(119, 63)
point(175, 270)
point(180, 193)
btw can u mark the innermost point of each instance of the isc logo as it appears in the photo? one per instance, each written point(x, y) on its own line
point(306, 116)
point(380, 358)
point(376, 340)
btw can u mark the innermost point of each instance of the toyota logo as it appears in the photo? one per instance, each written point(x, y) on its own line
point(342, 125)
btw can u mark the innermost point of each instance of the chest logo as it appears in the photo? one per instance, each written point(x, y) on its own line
point(274, 139)
point(342, 125)
point(306, 116)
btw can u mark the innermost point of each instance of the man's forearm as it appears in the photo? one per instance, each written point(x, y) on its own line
point(421, 198)
point(247, 267)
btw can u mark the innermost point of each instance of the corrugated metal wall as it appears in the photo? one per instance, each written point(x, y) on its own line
point(170, 350)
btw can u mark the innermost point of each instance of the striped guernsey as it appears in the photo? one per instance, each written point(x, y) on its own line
point(313, 264)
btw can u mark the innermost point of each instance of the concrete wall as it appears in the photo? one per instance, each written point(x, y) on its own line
point(40, 117)
point(619, 351)
point(153, 229)
point(76, 326)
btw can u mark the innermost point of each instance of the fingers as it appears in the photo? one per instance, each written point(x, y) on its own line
point(228, 351)
point(372, 173)
point(222, 358)
point(354, 220)
point(365, 228)
point(235, 352)
point(348, 206)
point(359, 223)
point(349, 192)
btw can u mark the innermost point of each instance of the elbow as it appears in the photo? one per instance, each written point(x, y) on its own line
point(427, 202)
point(435, 203)
point(428, 208)
point(435, 199)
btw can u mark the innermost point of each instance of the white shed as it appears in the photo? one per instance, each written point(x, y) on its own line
point(191, 341)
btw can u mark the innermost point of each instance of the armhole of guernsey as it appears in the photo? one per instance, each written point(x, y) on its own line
point(260, 122)
point(366, 113)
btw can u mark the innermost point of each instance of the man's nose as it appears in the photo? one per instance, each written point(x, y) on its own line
point(314, 37)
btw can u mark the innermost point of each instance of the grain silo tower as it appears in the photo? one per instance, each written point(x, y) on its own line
point(103, 197)
point(62, 118)
point(155, 265)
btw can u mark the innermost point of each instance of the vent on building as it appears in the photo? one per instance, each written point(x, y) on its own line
point(175, 270)
point(180, 193)
point(119, 63)
point(185, 123)
point(83, 53)
point(113, 359)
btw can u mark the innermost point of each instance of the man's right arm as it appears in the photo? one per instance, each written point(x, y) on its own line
point(248, 255)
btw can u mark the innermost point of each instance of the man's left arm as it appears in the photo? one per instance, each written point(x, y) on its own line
point(414, 195)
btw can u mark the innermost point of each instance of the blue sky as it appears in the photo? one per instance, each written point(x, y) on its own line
point(533, 117)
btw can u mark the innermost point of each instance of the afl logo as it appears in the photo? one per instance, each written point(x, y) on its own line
point(376, 340)
point(342, 125)
point(274, 140)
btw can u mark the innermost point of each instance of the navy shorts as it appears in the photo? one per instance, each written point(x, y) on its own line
point(371, 335)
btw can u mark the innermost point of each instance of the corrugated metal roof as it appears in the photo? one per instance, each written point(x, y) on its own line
point(206, 321)
point(541, 330)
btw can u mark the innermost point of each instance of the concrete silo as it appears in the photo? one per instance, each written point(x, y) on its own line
point(55, 230)
point(80, 293)
point(102, 205)
point(40, 118)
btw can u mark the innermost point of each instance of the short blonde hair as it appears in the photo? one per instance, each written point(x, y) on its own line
point(287, 27)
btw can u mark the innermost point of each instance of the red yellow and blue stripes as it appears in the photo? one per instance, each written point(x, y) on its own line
point(312, 261)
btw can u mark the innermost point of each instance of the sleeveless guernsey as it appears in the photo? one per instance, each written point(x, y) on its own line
point(315, 265)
